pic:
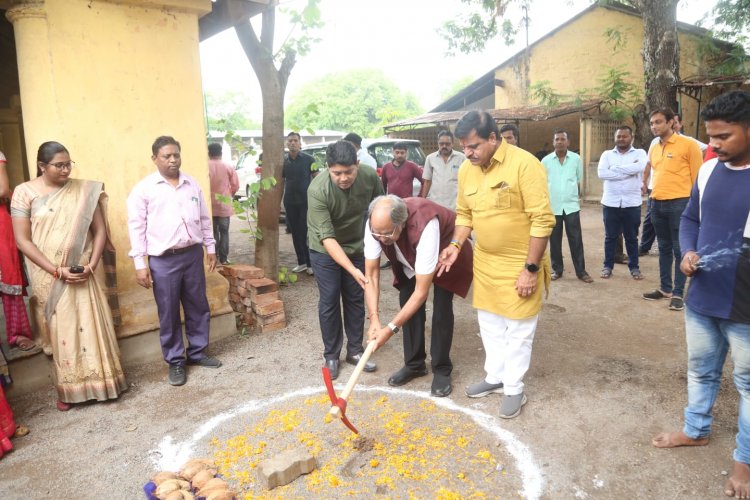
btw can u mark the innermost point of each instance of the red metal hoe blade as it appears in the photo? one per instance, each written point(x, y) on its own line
point(337, 401)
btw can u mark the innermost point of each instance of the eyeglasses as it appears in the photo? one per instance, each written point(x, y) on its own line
point(63, 165)
point(384, 236)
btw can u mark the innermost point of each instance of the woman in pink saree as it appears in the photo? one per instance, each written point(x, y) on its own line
point(60, 226)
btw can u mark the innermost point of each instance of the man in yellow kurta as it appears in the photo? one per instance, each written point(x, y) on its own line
point(503, 197)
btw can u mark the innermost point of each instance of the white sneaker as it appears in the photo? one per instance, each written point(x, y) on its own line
point(299, 268)
point(310, 271)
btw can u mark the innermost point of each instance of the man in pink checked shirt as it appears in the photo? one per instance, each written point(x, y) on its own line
point(168, 221)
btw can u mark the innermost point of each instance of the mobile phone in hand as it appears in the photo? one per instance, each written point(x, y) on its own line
point(76, 269)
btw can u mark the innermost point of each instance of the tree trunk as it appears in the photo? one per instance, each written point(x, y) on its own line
point(661, 60)
point(273, 87)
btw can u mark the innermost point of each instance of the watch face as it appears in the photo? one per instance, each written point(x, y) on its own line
point(532, 268)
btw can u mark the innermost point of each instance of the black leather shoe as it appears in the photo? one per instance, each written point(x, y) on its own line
point(177, 375)
point(333, 368)
point(354, 360)
point(441, 386)
point(405, 375)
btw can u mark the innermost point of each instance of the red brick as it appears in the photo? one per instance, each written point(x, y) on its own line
point(262, 285)
point(233, 281)
point(224, 271)
point(243, 292)
point(270, 308)
point(265, 298)
point(248, 319)
point(267, 319)
point(244, 271)
point(247, 301)
point(272, 327)
point(234, 297)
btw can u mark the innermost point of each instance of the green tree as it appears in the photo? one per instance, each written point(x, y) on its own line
point(273, 67)
point(729, 21)
point(229, 110)
point(360, 101)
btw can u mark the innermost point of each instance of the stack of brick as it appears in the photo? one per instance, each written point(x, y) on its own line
point(254, 298)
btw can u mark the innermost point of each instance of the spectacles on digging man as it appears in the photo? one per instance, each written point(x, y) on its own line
point(384, 236)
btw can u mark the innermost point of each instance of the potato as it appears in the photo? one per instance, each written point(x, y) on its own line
point(202, 477)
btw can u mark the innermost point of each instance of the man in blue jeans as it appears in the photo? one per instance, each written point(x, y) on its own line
point(620, 170)
point(715, 239)
point(675, 161)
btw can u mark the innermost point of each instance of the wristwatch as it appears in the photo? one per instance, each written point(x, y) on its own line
point(395, 329)
point(532, 268)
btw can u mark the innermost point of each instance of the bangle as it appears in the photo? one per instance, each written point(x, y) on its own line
point(456, 244)
point(374, 313)
point(55, 274)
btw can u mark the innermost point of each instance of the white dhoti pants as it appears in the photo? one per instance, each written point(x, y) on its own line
point(507, 345)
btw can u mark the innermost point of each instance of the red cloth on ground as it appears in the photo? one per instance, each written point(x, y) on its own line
point(7, 424)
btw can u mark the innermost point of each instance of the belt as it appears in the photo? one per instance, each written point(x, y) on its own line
point(177, 251)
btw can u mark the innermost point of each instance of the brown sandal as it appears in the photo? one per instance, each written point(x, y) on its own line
point(21, 431)
point(25, 344)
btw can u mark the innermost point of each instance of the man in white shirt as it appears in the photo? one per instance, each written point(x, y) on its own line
point(363, 156)
point(621, 170)
point(412, 232)
point(441, 172)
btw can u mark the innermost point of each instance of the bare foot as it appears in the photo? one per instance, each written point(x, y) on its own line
point(738, 484)
point(62, 406)
point(676, 439)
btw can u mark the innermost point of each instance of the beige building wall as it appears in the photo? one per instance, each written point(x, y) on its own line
point(577, 55)
point(105, 78)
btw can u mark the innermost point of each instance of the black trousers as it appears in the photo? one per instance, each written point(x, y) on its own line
point(442, 330)
point(572, 223)
point(337, 287)
point(296, 219)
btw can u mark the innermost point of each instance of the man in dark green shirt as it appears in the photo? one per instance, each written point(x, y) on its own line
point(337, 202)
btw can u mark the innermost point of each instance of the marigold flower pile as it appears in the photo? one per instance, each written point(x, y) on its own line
point(405, 449)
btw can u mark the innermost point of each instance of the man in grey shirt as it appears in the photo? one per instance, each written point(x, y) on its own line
point(441, 172)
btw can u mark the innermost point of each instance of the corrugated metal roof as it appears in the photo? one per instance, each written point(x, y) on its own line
point(525, 113)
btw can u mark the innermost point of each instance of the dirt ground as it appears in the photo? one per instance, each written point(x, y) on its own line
point(607, 373)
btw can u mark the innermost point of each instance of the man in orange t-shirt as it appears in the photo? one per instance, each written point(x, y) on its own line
point(675, 161)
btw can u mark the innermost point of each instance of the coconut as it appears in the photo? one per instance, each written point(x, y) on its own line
point(180, 495)
point(202, 477)
point(192, 468)
point(160, 477)
point(221, 495)
point(170, 486)
point(213, 485)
